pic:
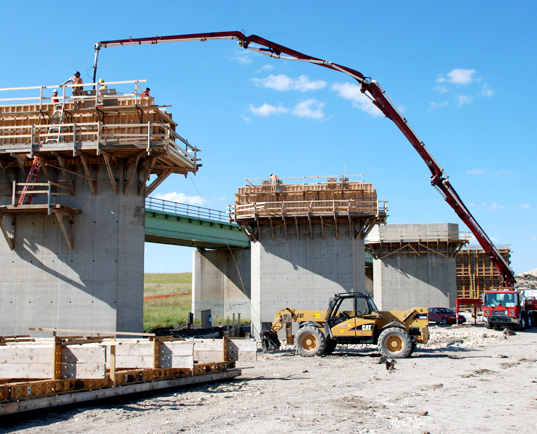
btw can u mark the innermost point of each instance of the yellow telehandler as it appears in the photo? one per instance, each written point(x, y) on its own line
point(351, 318)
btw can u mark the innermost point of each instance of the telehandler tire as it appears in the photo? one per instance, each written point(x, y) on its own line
point(395, 343)
point(310, 341)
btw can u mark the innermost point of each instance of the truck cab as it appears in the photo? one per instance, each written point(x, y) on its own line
point(507, 307)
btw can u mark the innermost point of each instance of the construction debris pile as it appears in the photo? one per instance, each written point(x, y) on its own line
point(527, 280)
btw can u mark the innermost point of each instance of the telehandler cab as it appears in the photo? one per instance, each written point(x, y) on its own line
point(351, 318)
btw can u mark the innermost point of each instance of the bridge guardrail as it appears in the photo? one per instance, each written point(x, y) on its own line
point(157, 204)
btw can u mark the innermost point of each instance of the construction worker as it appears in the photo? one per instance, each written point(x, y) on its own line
point(54, 97)
point(102, 90)
point(145, 93)
point(77, 91)
point(273, 179)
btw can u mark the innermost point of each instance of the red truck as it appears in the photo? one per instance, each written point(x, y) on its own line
point(510, 307)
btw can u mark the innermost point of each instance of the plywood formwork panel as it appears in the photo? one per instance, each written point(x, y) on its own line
point(476, 273)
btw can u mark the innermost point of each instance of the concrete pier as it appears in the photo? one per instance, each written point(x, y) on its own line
point(72, 212)
point(221, 282)
point(307, 240)
point(414, 264)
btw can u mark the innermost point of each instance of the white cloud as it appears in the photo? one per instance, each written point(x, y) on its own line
point(486, 91)
point(352, 93)
point(476, 172)
point(458, 76)
point(267, 110)
point(283, 82)
point(503, 172)
point(310, 108)
point(524, 206)
point(278, 82)
point(435, 105)
point(245, 118)
point(441, 89)
point(533, 238)
point(265, 68)
point(495, 207)
point(464, 99)
point(303, 84)
point(180, 197)
point(243, 57)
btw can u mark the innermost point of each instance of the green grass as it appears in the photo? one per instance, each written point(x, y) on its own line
point(166, 312)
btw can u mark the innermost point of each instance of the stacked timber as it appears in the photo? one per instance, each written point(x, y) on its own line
point(40, 372)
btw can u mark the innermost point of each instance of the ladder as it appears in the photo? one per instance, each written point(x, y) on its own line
point(32, 178)
point(55, 124)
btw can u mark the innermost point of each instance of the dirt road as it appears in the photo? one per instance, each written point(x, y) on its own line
point(466, 380)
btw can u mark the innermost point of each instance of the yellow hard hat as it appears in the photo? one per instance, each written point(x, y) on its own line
point(101, 80)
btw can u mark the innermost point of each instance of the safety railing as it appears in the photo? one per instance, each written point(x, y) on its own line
point(24, 191)
point(388, 236)
point(156, 204)
point(100, 133)
point(308, 208)
point(40, 94)
point(306, 180)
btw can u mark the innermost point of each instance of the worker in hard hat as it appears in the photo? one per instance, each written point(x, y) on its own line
point(54, 97)
point(77, 90)
point(103, 89)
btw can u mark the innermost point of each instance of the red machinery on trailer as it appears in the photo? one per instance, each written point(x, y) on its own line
point(376, 94)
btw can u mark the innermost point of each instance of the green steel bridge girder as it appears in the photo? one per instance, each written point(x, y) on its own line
point(183, 230)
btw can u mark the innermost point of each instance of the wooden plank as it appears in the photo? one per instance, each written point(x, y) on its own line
point(76, 397)
point(37, 362)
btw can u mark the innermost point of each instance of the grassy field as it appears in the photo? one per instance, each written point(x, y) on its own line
point(169, 311)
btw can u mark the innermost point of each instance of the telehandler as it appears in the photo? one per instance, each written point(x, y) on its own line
point(351, 318)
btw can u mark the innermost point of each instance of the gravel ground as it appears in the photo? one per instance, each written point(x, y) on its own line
point(466, 379)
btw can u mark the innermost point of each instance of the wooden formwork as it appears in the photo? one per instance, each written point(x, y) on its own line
point(42, 372)
point(349, 206)
point(476, 273)
point(302, 199)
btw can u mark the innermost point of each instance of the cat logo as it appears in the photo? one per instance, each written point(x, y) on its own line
point(367, 327)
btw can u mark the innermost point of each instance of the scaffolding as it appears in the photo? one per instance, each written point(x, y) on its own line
point(338, 202)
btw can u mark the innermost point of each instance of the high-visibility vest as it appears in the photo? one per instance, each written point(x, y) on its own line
point(76, 80)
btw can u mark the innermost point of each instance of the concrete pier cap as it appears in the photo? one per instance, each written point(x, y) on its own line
point(414, 264)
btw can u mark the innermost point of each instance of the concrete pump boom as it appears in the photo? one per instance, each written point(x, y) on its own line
point(375, 93)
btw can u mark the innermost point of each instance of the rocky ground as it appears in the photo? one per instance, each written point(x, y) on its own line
point(467, 379)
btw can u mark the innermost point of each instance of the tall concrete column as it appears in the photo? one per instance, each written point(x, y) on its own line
point(72, 244)
point(307, 241)
point(414, 265)
point(221, 282)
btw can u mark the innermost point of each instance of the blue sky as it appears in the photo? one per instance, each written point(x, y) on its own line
point(462, 72)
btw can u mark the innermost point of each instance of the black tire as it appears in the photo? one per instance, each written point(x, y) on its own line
point(530, 321)
point(395, 343)
point(444, 321)
point(310, 341)
point(331, 345)
point(523, 323)
point(414, 346)
point(489, 325)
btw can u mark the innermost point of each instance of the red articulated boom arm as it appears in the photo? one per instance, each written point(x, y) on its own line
point(375, 93)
